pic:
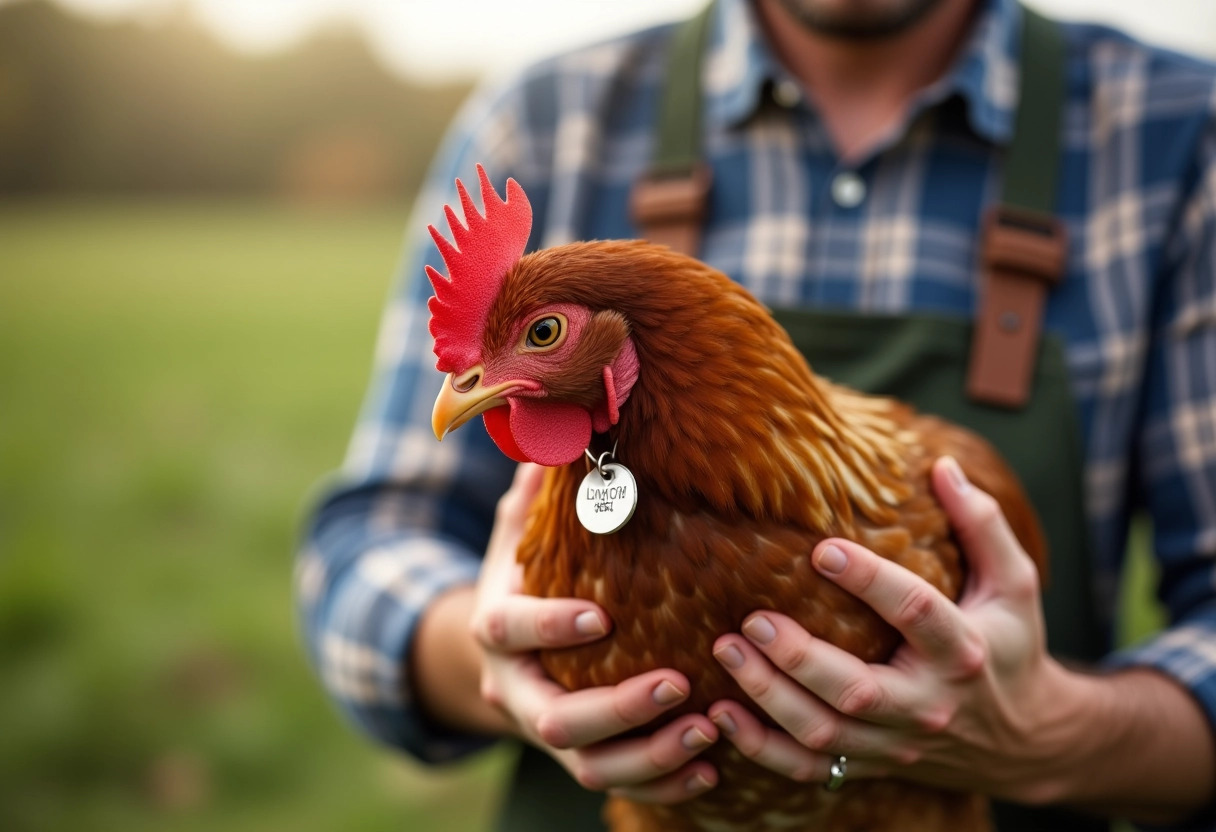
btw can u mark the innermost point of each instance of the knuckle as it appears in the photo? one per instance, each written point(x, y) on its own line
point(936, 721)
point(917, 609)
point(760, 687)
point(548, 626)
point(860, 698)
point(1024, 579)
point(588, 777)
point(907, 756)
point(750, 745)
point(985, 511)
point(821, 735)
point(795, 659)
point(803, 773)
point(662, 756)
point(630, 710)
point(490, 692)
point(493, 628)
point(864, 573)
point(552, 731)
point(974, 658)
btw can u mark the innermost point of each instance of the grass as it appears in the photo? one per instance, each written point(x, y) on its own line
point(174, 377)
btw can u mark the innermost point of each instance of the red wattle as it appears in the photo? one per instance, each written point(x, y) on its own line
point(550, 433)
point(498, 425)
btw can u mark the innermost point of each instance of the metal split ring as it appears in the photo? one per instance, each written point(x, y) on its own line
point(836, 774)
point(599, 463)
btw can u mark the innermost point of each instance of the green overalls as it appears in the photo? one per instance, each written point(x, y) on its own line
point(994, 375)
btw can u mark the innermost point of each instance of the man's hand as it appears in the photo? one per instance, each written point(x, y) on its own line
point(972, 700)
point(577, 729)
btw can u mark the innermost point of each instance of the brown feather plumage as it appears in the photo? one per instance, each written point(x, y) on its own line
point(744, 461)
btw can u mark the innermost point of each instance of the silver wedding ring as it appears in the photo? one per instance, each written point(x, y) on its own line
point(836, 774)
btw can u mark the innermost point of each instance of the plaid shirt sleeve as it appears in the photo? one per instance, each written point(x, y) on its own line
point(1177, 453)
point(408, 518)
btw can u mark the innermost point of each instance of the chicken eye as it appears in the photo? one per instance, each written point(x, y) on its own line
point(545, 332)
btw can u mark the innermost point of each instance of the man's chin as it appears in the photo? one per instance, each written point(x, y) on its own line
point(854, 20)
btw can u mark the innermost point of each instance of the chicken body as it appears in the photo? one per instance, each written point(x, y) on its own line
point(744, 461)
point(672, 582)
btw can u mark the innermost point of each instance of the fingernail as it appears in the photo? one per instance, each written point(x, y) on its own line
point(589, 623)
point(954, 472)
point(694, 739)
point(697, 783)
point(665, 693)
point(832, 560)
point(759, 629)
point(730, 656)
point(726, 724)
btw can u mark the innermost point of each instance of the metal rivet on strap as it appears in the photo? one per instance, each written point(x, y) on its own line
point(1010, 321)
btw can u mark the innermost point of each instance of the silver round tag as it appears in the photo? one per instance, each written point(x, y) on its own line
point(606, 503)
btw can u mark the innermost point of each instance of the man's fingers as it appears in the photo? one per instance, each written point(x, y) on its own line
point(518, 623)
point(840, 679)
point(931, 622)
point(803, 715)
point(775, 750)
point(517, 684)
point(692, 780)
point(992, 550)
point(636, 761)
point(583, 717)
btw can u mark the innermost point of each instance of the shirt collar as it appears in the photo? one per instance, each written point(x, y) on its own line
point(740, 66)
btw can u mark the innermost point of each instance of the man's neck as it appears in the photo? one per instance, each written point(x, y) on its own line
point(862, 88)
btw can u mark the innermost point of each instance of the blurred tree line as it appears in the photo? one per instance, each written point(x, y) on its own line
point(124, 107)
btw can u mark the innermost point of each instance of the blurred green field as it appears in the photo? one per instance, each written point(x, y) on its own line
point(174, 376)
point(173, 379)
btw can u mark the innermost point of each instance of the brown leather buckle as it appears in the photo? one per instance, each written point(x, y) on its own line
point(669, 208)
point(658, 198)
point(1025, 241)
point(1024, 253)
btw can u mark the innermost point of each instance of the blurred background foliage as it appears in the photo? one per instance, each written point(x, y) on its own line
point(127, 107)
point(194, 248)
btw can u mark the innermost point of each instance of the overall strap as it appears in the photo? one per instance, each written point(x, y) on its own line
point(1024, 248)
point(668, 203)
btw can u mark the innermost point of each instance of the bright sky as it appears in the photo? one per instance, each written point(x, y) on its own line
point(440, 39)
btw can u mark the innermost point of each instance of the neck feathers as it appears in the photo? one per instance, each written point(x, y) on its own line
point(825, 459)
point(732, 415)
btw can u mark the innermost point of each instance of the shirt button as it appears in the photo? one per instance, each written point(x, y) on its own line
point(848, 189)
point(787, 94)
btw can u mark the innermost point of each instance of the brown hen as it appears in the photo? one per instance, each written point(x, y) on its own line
point(744, 460)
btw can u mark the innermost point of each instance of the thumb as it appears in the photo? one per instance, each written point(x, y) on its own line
point(998, 562)
point(528, 477)
point(524, 488)
point(509, 520)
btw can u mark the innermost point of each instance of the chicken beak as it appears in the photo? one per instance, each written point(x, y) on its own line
point(464, 397)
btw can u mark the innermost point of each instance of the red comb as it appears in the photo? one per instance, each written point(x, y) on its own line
point(476, 264)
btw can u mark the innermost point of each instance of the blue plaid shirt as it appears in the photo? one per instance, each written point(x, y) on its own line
point(408, 517)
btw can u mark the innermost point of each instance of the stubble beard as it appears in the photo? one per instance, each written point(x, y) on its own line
point(861, 20)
